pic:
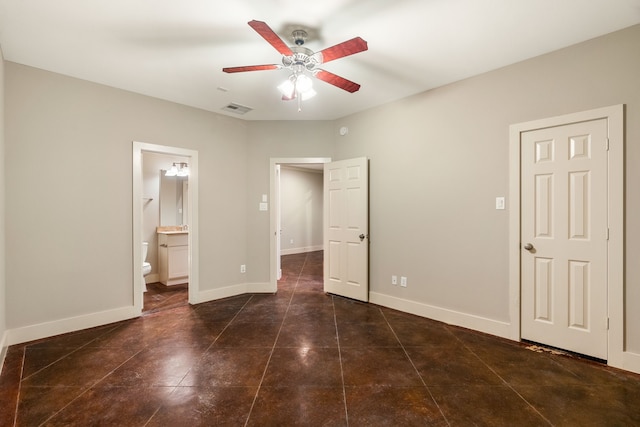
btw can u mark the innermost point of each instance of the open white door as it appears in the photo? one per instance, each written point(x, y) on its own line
point(346, 228)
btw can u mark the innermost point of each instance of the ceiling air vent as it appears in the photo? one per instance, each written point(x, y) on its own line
point(237, 108)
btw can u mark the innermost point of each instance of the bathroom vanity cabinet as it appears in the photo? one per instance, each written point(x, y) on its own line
point(173, 257)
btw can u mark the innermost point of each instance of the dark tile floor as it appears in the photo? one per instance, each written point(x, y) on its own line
point(161, 297)
point(301, 357)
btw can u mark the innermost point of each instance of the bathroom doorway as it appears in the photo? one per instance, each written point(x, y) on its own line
point(170, 211)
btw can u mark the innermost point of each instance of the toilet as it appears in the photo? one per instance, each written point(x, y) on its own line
point(146, 267)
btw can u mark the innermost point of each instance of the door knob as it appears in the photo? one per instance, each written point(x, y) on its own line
point(362, 236)
point(528, 246)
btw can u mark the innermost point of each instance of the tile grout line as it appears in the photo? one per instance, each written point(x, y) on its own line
point(24, 358)
point(204, 352)
point(273, 348)
point(414, 367)
point(91, 386)
point(464, 344)
point(344, 388)
point(66, 355)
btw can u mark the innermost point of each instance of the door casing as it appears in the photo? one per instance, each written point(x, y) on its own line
point(615, 274)
point(274, 227)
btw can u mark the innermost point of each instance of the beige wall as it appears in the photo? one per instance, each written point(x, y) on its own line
point(439, 159)
point(69, 196)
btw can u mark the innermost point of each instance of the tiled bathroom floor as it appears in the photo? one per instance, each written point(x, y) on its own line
point(301, 357)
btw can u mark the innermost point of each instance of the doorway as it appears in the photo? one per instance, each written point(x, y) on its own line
point(191, 214)
point(566, 232)
point(275, 228)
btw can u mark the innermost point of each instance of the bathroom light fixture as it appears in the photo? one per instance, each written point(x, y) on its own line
point(178, 169)
point(184, 170)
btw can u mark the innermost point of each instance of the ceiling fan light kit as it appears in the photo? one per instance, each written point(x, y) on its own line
point(303, 62)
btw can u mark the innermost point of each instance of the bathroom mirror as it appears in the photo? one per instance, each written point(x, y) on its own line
point(173, 199)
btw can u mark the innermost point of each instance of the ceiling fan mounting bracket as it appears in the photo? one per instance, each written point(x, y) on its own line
point(299, 37)
point(295, 30)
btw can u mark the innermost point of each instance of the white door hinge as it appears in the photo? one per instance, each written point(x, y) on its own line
point(606, 144)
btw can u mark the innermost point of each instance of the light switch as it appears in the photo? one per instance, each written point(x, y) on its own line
point(264, 198)
point(499, 202)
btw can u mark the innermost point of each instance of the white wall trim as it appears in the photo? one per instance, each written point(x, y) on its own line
point(630, 362)
point(4, 347)
point(92, 320)
point(70, 324)
point(231, 291)
point(302, 250)
point(152, 278)
point(615, 118)
point(451, 317)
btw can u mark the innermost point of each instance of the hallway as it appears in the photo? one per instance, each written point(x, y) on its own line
point(301, 357)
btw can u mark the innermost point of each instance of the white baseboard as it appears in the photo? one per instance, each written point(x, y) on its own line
point(232, 291)
point(91, 320)
point(3, 349)
point(631, 362)
point(71, 324)
point(152, 278)
point(302, 250)
point(451, 317)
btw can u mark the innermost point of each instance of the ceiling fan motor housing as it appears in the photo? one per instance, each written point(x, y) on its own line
point(302, 57)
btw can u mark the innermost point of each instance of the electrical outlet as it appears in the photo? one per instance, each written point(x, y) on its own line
point(403, 282)
point(243, 268)
point(394, 280)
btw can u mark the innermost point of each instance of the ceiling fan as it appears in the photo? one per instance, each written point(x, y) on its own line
point(302, 61)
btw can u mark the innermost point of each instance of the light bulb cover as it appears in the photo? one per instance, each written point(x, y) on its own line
point(308, 94)
point(287, 88)
point(303, 83)
point(173, 171)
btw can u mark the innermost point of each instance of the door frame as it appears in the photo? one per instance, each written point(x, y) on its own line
point(274, 196)
point(192, 215)
point(615, 262)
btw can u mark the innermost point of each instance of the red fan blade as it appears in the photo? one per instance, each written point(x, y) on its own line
point(343, 49)
point(337, 81)
point(271, 37)
point(250, 68)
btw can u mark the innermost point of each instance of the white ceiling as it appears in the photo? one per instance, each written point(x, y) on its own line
point(175, 50)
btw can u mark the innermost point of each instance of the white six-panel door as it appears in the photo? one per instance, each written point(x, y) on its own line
point(346, 228)
point(564, 237)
